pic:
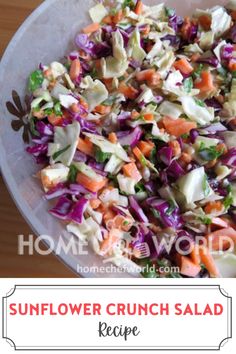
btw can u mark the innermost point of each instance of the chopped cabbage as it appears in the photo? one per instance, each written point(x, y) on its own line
point(195, 112)
point(118, 46)
point(194, 186)
point(108, 147)
point(206, 40)
point(156, 12)
point(116, 65)
point(67, 100)
point(218, 49)
point(55, 174)
point(165, 62)
point(59, 89)
point(134, 47)
point(126, 184)
point(230, 139)
point(222, 172)
point(57, 69)
point(98, 12)
point(64, 139)
point(95, 92)
point(114, 165)
point(88, 171)
point(220, 20)
point(170, 109)
point(193, 48)
point(146, 96)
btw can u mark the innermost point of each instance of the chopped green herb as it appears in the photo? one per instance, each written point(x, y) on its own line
point(73, 173)
point(209, 154)
point(169, 11)
point(171, 208)
point(48, 111)
point(155, 213)
point(198, 71)
point(57, 109)
point(185, 136)
point(205, 220)
point(205, 186)
point(125, 223)
point(100, 156)
point(153, 155)
point(139, 187)
point(128, 3)
point(188, 85)
point(35, 80)
point(32, 126)
point(228, 201)
point(199, 102)
point(60, 152)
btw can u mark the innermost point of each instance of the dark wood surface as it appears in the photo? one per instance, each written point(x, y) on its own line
point(12, 14)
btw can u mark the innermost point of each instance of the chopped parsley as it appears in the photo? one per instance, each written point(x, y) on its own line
point(100, 156)
point(35, 80)
point(60, 152)
point(73, 173)
point(188, 85)
point(205, 186)
point(209, 153)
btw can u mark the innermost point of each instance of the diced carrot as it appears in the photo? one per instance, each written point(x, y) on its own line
point(108, 215)
point(148, 116)
point(89, 183)
point(95, 203)
point(91, 28)
point(146, 147)
point(213, 206)
point(138, 154)
point(112, 138)
point(205, 22)
point(224, 236)
point(109, 84)
point(178, 127)
point(189, 268)
point(208, 261)
point(139, 8)
point(155, 80)
point(55, 120)
point(185, 158)
point(145, 75)
point(176, 148)
point(75, 69)
point(101, 109)
point(194, 255)
point(184, 66)
point(128, 91)
point(186, 28)
point(118, 17)
point(108, 20)
point(233, 15)
point(206, 85)
point(135, 114)
point(219, 222)
point(232, 65)
point(84, 103)
point(108, 243)
point(130, 170)
point(47, 73)
point(85, 146)
point(74, 108)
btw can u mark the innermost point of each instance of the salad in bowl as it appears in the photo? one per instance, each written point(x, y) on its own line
point(135, 136)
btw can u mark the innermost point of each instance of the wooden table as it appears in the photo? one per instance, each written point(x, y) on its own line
point(12, 14)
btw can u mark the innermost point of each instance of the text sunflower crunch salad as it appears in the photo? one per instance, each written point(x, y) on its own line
point(137, 133)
